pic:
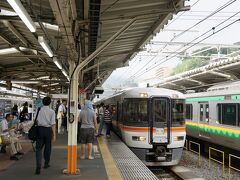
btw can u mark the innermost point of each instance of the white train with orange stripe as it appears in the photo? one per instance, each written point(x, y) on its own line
point(151, 122)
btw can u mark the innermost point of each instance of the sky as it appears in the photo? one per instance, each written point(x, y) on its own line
point(141, 67)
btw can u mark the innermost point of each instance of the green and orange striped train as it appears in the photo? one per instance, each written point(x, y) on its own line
point(214, 116)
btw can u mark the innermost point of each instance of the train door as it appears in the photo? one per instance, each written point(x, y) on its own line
point(203, 119)
point(159, 120)
point(119, 117)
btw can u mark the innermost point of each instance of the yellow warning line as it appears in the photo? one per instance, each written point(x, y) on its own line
point(110, 166)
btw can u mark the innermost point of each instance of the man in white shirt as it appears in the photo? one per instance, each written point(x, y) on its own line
point(46, 134)
point(9, 139)
point(61, 115)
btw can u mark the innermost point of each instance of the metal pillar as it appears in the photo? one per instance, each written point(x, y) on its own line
point(72, 127)
point(72, 133)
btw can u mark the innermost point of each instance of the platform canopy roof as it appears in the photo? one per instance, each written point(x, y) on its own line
point(200, 79)
point(73, 29)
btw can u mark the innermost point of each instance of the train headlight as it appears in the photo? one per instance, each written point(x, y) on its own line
point(178, 138)
point(138, 138)
point(143, 94)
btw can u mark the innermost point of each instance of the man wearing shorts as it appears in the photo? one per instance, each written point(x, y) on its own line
point(88, 127)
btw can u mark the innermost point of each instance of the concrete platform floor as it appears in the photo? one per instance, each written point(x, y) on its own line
point(25, 167)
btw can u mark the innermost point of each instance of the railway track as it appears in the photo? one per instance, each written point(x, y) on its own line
point(174, 173)
point(164, 173)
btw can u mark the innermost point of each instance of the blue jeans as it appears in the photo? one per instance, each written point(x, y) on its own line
point(101, 124)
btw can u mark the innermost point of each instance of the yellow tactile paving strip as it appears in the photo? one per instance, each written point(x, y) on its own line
point(110, 166)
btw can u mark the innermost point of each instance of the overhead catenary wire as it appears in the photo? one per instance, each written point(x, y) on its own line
point(128, 70)
point(124, 74)
point(180, 34)
point(212, 29)
point(167, 59)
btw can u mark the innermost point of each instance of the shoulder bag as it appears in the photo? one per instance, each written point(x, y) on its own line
point(32, 133)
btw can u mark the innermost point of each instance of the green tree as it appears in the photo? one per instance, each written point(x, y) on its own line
point(189, 63)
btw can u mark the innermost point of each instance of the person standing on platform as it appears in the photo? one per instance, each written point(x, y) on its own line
point(101, 119)
point(107, 120)
point(45, 134)
point(61, 116)
point(57, 106)
point(30, 111)
point(15, 110)
point(88, 125)
point(23, 116)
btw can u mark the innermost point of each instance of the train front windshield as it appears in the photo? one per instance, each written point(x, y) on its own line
point(178, 111)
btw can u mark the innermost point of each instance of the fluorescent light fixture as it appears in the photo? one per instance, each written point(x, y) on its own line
point(45, 46)
point(25, 82)
point(55, 60)
point(54, 84)
point(22, 13)
point(28, 49)
point(8, 51)
point(43, 77)
point(48, 26)
point(64, 73)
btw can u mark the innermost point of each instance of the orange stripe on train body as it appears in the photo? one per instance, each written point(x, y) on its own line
point(146, 129)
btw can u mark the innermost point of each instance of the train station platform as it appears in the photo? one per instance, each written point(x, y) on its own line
point(113, 160)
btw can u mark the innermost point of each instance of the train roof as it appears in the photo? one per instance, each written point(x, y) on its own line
point(229, 88)
point(146, 92)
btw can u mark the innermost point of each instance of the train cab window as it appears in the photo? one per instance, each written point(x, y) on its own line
point(160, 110)
point(201, 112)
point(178, 112)
point(227, 114)
point(189, 111)
point(135, 110)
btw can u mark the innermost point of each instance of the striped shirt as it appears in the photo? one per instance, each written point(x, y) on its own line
point(107, 117)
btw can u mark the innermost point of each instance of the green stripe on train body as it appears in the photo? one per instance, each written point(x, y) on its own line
point(216, 131)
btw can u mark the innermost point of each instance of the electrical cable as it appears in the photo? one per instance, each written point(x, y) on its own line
point(180, 34)
point(127, 70)
point(192, 45)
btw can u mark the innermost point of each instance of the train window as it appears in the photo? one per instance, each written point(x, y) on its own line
point(227, 114)
point(119, 111)
point(238, 115)
point(113, 110)
point(160, 110)
point(201, 112)
point(178, 111)
point(189, 111)
point(207, 112)
point(136, 110)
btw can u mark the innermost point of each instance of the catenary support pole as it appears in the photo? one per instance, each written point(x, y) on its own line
point(72, 133)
